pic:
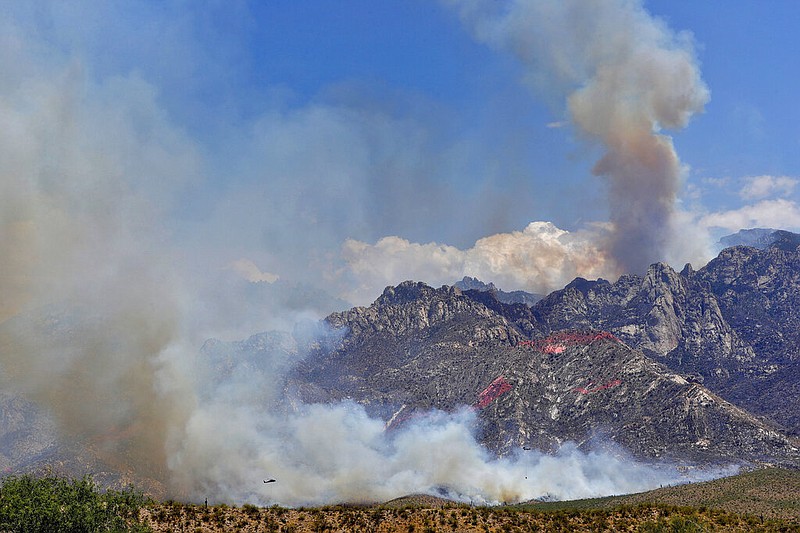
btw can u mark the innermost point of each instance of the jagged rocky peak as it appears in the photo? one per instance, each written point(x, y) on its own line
point(412, 306)
point(785, 240)
point(469, 283)
point(665, 292)
point(585, 286)
point(757, 269)
point(409, 291)
point(664, 287)
point(661, 273)
point(513, 297)
point(761, 238)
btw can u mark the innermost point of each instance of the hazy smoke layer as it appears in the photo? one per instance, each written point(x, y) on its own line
point(539, 259)
point(335, 453)
point(90, 292)
point(103, 309)
point(104, 326)
point(624, 75)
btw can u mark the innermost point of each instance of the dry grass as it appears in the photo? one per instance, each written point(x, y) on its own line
point(757, 501)
point(771, 493)
point(456, 519)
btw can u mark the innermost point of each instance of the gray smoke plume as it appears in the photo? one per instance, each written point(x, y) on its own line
point(336, 453)
point(625, 75)
point(103, 310)
point(91, 301)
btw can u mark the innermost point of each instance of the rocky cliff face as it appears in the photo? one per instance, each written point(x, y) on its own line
point(758, 292)
point(418, 348)
point(668, 315)
point(415, 346)
point(732, 325)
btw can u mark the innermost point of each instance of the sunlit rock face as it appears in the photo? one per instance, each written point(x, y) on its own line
point(731, 325)
point(534, 381)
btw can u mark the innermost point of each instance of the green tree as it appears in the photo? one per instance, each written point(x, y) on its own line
point(53, 504)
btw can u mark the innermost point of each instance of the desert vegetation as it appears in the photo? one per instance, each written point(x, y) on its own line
point(53, 504)
point(50, 504)
point(455, 518)
point(767, 493)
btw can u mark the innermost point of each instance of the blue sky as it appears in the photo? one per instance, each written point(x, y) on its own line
point(748, 57)
point(359, 144)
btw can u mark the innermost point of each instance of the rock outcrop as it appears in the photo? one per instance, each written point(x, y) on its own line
point(732, 325)
point(418, 348)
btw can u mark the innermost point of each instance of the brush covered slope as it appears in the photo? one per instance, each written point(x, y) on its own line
point(418, 348)
point(732, 325)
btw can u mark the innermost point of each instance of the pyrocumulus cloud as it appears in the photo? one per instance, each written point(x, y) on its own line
point(624, 76)
point(540, 258)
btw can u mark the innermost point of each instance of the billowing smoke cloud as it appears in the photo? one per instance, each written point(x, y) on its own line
point(335, 453)
point(104, 307)
point(89, 323)
point(539, 259)
point(625, 76)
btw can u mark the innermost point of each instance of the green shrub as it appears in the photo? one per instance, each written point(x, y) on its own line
point(676, 524)
point(250, 509)
point(49, 504)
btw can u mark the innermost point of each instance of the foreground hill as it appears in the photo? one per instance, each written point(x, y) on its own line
point(767, 500)
point(769, 493)
point(53, 503)
point(340, 519)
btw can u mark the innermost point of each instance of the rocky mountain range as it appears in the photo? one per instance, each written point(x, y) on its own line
point(696, 366)
point(512, 297)
point(755, 237)
point(732, 325)
point(693, 364)
point(418, 348)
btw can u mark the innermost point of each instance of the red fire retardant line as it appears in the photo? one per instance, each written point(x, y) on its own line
point(558, 342)
point(496, 388)
point(608, 385)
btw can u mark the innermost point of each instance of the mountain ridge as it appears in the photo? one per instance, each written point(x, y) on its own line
point(418, 348)
point(694, 367)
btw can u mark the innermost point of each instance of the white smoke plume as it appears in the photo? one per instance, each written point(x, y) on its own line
point(91, 299)
point(104, 310)
point(624, 75)
point(539, 259)
point(336, 453)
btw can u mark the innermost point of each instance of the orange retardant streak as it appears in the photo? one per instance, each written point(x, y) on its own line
point(496, 388)
point(608, 385)
point(558, 342)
